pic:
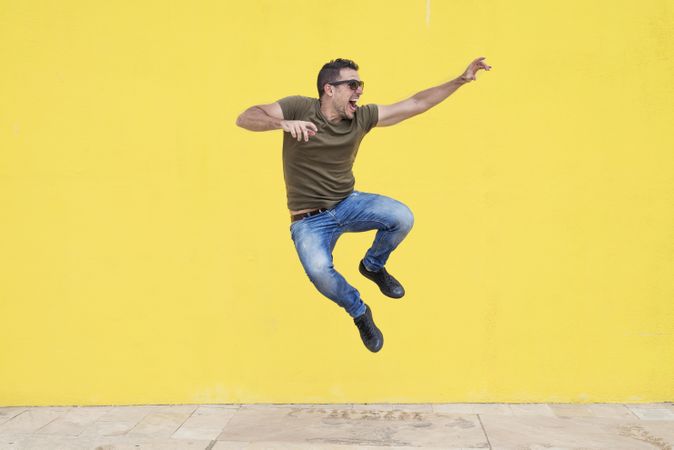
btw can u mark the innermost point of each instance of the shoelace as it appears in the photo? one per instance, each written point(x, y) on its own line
point(388, 279)
point(368, 328)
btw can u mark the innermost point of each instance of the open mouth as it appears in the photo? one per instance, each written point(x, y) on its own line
point(352, 105)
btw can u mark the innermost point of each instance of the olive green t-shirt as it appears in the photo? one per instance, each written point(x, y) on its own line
point(318, 173)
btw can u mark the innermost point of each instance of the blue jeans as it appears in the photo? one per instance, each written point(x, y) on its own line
point(315, 238)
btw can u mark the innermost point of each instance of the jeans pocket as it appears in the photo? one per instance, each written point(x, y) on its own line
point(294, 226)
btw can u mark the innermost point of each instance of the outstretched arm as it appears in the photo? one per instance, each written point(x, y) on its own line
point(425, 100)
point(270, 117)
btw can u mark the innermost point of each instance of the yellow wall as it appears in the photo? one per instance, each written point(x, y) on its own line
point(146, 256)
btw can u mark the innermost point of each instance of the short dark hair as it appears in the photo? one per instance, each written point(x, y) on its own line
point(330, 72)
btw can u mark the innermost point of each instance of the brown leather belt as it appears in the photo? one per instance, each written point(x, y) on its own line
point(307, 214)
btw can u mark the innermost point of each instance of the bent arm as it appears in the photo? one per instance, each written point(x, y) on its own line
point(261, 118)
point(270, 117)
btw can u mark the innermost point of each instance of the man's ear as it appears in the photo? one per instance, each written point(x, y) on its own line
point(328, 89)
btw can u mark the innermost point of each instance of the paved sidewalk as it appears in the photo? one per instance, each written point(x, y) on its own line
point(341, 427)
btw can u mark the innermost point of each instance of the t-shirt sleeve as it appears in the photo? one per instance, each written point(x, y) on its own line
point(368, 116)
point(293, 107)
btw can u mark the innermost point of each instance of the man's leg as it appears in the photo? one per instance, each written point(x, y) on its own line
point(393, 221)
point(314, 239)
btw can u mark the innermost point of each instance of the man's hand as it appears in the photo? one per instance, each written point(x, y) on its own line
point(299, 129)
point(471, 71)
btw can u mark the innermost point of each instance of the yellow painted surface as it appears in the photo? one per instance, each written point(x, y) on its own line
point(146, 256)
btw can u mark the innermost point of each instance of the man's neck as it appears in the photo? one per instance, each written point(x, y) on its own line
point(330, 114)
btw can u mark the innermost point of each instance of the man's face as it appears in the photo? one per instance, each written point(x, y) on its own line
point(344, 98)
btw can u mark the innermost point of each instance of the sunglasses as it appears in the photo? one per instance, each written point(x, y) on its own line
point(353, 84)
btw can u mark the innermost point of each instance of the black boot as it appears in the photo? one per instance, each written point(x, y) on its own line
point(388, 285)
point(369, 333)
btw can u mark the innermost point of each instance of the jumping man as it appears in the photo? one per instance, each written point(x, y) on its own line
point(320, 144)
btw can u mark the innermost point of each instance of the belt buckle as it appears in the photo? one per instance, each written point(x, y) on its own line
point(316, 212)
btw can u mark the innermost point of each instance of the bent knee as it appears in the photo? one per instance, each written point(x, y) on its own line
point(405, 218)
point(319, 271)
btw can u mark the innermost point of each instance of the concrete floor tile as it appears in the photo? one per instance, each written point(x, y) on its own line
point(652, 413)
point(473, 408)
point(372, 407)
point(208, 411)
point(117, 421)
point(322, 427)
point(571, 410)
point(151, 444)
point(107, 429)
point(610, 410)
point(35, 442)
point(224, 405)
point(206, 422)
point(32, 419)
point(299, 405)
point(128, 413)
point(140, 443)
point(420, 407)
point(183, 409)
point(53, 442)
point(537, 447)
point(572, 433)
point(531, 409)
point(230, 445)
point(233, 445)
point(75, 421)
point(8, 412)
point(666, 405)
point(160, 424)
point(659, 434)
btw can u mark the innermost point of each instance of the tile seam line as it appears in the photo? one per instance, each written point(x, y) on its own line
point(184, 421)
point(484, 431)
point(37, 430)
point(12, 417)
point(236, 411)
point(630, 410)
point(127, 432)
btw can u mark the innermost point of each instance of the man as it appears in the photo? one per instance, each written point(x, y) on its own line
point(320, 143)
